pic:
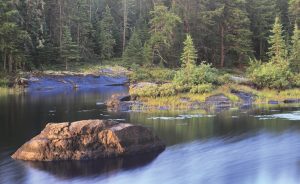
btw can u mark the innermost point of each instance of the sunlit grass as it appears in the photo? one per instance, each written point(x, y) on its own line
point(185, 100)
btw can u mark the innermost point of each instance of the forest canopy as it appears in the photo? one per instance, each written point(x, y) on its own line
point(226, 33)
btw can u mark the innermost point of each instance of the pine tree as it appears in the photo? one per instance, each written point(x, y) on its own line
point(12, 37)
point(277, 49)
point(230, 21)
point(162, 25)
point(189, 55)
point(294, 11)
point(295, 52)
point(261, 13)
point(134, 51)
point(70, 50)
point(105, 35)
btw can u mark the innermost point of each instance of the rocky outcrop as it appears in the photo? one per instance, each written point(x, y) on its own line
point(87, 140)
point(118, 102)
point(218, 101)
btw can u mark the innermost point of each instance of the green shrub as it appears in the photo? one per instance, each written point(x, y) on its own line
point(140, 75)
point(271, 75)
point(152, 74)
point(145, 91)
point(296, 80)
point(182, 88)
point(201, 74)
point(224, 79)
point(202, 88)
point(167, 89)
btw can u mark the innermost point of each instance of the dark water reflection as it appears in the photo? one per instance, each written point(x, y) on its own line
point(256, 145)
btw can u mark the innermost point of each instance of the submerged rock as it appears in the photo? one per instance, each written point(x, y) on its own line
point(87, 140)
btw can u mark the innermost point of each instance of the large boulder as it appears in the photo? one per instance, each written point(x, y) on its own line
point(87, 140)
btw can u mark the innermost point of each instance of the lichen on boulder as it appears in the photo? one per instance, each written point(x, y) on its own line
point(87, 140)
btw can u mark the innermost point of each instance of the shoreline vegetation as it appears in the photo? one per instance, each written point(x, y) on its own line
point(169, 64)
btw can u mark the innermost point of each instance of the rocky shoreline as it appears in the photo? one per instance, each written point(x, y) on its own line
point(123, 103)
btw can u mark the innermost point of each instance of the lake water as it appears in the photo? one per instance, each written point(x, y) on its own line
point(248, 146)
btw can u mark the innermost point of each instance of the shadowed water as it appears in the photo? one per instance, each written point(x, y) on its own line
point(255, 146)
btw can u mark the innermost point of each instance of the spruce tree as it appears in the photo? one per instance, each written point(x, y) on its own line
point(189, 55)
point(295, 52)
point(134, 51)
point(70, 50)
point(261, 14)
point(277, 49)
point(105, 35)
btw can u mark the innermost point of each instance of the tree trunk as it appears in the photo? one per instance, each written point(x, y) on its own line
point(260, 48)
point(66, 61)
point(60, 26)
point(78, 34)
point(124, 23)
point(90, 11)
point(10, 63)
point(240, 61)
point(140, 8)
point(222, 47)
point(4, 61)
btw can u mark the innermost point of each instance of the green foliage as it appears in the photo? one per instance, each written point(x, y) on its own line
point(295, 52)
point(134, 50)
point(70, 50)
point(12, 37)
point(162, 25)
point(261, 14)
point(224, 79)
point(202, 88)
point(152, 74)
point(189, 55)
point(146, 91)
point(231, 25)
point(294, 11)
point(202, 74)
point(277, 50)
point(105, 35)
point(167, 89)
point(271, 75)
point(296, 80)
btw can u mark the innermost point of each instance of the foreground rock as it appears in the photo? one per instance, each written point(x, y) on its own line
point(87, 140)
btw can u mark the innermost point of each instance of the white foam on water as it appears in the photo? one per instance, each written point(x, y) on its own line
point(181, 117)
point(293, 116)
point(117, 119)
point(87, 110)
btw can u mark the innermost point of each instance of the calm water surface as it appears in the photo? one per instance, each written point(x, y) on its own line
point(250, 146)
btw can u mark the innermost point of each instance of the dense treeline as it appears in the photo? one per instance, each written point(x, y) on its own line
point(34, 33)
